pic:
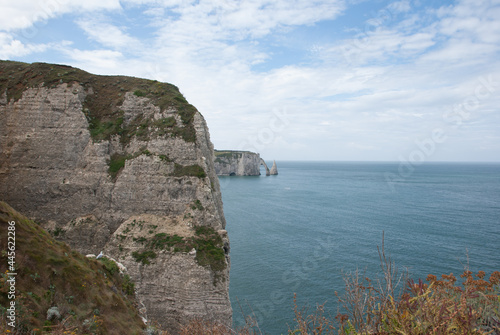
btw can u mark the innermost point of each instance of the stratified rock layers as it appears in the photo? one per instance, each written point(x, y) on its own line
point(55, 170)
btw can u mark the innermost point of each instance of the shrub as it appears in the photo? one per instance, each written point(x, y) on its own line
point(397, 305)
point(439, 307)
point(189, 171)
point(197, 205)
point(116, 163)
point(164, 241)
point(128, 286)
point(144, 257)
point(58, 231)
point(103, 130)
point(165, 122)
point(109, 265)
point(209, 249)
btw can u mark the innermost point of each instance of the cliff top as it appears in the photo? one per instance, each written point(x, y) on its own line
point(104, 95)
point(222, 152)
point(231, 154)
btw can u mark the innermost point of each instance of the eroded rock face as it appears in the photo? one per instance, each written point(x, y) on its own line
point(237, 163)
point(274, 169)
point(86, 175)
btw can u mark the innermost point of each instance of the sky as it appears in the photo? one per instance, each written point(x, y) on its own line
point(343, 80)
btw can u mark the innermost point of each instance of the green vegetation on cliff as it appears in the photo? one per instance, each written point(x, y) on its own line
point(206, 241)
point(221, 156)
point(58, 289)
point(189, 171)
point(117, 162)
point(104, 96)
point(229, 153)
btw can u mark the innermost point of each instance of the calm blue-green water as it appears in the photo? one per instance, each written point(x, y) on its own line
point(298, 231)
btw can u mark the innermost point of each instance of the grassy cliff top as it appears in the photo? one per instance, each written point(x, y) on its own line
point(58, 289)
point(231, 153)
point(105, 95)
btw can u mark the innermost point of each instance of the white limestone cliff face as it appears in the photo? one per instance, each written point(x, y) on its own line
point(263, 163)
point(52, 169)
point(274, 169)
point(237, 163)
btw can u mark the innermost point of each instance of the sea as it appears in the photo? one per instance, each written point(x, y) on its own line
point(300, 232)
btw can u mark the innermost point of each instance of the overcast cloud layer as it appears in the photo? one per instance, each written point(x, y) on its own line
point(295, 79)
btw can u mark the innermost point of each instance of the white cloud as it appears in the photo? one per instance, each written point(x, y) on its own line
point(97, 61)
point(235, 20)
point(108, 35)
point(476, 20)
point(22, 14)
point(12, 48)
point(399, 6)
point(206, 27)
point(258, 18)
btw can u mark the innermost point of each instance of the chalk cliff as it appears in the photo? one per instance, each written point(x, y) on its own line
point(123, 165)
point(240, 163)
point(274, 169)
point(237, 163)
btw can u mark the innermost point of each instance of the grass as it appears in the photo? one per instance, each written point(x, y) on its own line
point(128, 286)
point(103, 130)
point(166, 122)
point(164, 241)
point(144, 257)
point(109, 265)
point(116, 163)
point(139, 93)
point(222, 156)
point(209, 248)
point(189, 171)
point(85, 291)
point(229, 153)
point(197, 205)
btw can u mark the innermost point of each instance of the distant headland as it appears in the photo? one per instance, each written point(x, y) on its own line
point(240, 163)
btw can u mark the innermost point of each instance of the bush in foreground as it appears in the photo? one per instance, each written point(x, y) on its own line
point(395, 304)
